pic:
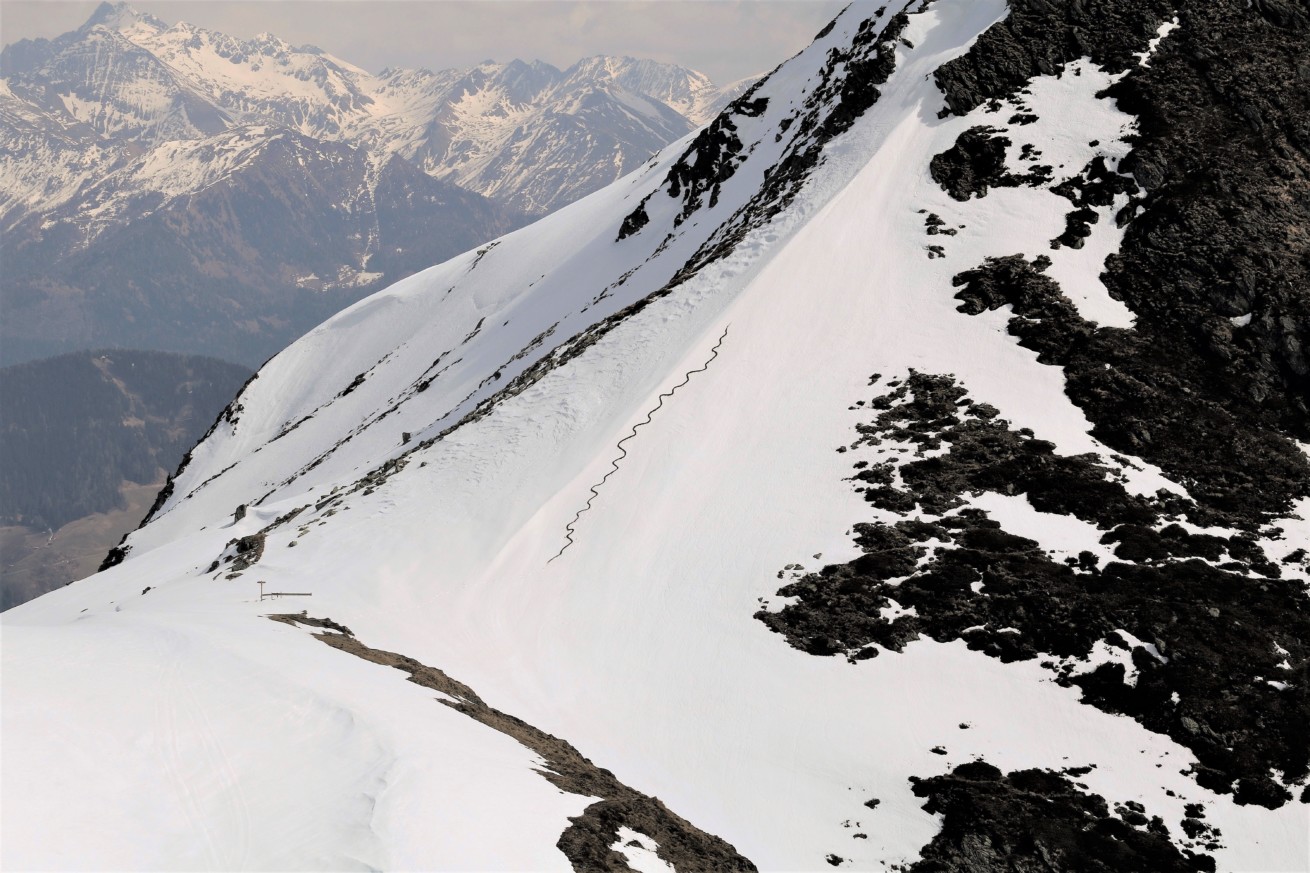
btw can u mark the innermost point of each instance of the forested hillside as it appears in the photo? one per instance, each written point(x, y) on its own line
point(81, 434)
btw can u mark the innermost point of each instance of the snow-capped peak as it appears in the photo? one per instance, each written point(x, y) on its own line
point(686, 91)
point(124, 18)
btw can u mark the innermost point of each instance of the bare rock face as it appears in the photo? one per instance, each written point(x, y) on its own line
point(1211, 384)
point(952, 573)
point(1032, 821)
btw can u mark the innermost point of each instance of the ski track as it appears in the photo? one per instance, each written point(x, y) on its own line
point(570, 528)
point(230, 782)
point(174, 757)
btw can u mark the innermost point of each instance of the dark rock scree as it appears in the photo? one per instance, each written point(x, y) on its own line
point(1223, 155)
point(1036, 821)
point(977, 162)
point(1229, 677)
point(1210, 385)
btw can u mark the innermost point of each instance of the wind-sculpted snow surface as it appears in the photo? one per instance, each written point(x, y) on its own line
point(1090, 638)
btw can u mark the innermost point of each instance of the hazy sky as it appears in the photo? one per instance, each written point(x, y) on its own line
point(726, 39)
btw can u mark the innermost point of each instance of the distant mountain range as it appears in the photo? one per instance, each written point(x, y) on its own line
point(178, 188)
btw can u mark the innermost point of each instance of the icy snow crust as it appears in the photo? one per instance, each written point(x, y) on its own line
point(237, 742)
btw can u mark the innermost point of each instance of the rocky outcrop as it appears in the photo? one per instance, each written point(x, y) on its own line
point(1038, 821)
point(1223, 158)
point(587, 842)
point(1216, 640)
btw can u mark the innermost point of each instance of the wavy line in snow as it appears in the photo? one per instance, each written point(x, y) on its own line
point(569, 529)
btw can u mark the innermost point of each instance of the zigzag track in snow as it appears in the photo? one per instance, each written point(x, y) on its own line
point(570, 528)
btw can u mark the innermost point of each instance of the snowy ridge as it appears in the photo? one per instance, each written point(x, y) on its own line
point(415, 461)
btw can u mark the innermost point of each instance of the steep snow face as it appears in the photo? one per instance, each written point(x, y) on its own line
point(568, 468)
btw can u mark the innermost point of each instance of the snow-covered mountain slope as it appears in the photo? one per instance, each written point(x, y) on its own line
point(42, 159)
point(687, 92)
point(902, 470)
point(99, 76)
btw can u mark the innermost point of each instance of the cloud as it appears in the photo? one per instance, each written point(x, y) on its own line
point(726, 39)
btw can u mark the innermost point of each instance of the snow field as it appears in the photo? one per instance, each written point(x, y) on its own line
point(276, 753)
point(638, 645)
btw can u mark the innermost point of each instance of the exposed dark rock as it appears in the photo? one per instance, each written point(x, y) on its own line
point(1223, 151)
point(935, 225)
point(1218, 635)
point(1096, 185)
point(116, 555)
point(848, 86)
point(310, 621)
point(355, 383)
point(710, 160)
point(1036, 820)
point(1150, 393)
point(245, 552)
point(1038, 38)
point(634, 221)
point(1077, 227)
point(977, 162)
